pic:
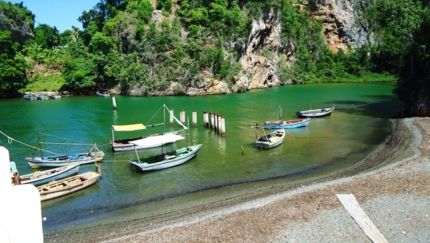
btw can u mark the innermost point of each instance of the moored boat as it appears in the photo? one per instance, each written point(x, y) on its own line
point(144, 142)
point(29, 97)
point(287, 124)
point(41, 97)
point(166, 160)
point(46, 176)
point(67, 185)
point(273, 139)
point(55, 96)
point(66, 159)
point(315, 112)
point(103, 93)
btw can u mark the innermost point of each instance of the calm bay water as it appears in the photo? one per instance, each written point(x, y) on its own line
point(359, 123)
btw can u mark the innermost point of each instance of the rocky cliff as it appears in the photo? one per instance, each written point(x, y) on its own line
point(20, 29)
point(343, 28)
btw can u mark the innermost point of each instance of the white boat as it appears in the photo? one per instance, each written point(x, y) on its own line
point(144, 142)
point(103, 93)
point(92, 156)
point(166, 160)
point(67, 186)
point(267, 141)
point(41, 97)
point(315, 112)
point(46, 176)
point(29, 97)
point(55, 96)
point(66, 159)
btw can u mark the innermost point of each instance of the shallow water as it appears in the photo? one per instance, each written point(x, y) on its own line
point(358, 125)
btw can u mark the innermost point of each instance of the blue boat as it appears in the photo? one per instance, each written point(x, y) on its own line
point(29, 97)
point(41, 97)
point(46, 176)
point(286, 124)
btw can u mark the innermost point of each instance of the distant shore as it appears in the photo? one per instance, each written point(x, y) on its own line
point(391, 185)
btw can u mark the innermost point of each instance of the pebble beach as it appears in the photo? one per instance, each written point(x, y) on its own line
point(392, 186)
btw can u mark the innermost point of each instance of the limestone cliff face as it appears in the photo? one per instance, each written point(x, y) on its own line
point(261, 69)
point(21, 31)
point(342, 29)
point(342, 25)
point(263, 51)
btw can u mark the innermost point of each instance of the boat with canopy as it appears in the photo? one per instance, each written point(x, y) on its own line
point(144, 142)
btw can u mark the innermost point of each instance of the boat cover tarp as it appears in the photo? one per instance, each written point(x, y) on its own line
point(157, 140)
point(128, 128)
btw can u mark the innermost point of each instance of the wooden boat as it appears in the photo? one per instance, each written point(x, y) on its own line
point(67, 186)
point(267, 141)
point(144, 142)
point(64, 160)
point(46, 176)
point(315, 112)
point(287, 124)
point(166, 160)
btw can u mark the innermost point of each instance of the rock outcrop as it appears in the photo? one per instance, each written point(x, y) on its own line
point(342, 29)
point(21, 30)
point(343, 26)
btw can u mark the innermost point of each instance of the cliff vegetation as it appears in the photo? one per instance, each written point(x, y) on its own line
point(200, 47)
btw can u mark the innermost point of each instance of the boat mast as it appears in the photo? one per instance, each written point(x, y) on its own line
point(280, 113)
point(164, 119)
point(40, 146)
point(188, 121)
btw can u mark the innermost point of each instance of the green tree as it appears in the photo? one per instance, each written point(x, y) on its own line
point(100, 43)
point(12, 66)
point(45, 36)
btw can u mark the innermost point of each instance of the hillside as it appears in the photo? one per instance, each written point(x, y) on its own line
point(164, 47)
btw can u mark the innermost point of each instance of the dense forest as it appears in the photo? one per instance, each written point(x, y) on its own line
point(179, 44)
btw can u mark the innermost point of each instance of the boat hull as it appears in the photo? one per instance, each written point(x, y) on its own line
point(315, 113)
point(58, 161)
point(289, 124)
point(167, 163)
point(43, 177)
point(91, 178)
point(272, 140)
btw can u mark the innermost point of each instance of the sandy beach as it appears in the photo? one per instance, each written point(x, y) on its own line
point(392, 186)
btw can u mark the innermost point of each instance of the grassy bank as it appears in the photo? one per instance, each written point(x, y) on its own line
point(45, 82)
point(54, 82)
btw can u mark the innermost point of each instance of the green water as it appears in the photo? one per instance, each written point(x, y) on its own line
point(359, 123)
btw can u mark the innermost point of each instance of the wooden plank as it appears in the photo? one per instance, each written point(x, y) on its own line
point(351, 205)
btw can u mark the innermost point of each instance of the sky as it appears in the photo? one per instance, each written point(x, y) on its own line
point(62, 14)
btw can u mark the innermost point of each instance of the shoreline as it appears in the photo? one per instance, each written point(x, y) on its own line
point(272, 212)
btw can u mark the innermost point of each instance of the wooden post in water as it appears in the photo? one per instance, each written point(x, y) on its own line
point(212, 120)
point(194, 115)
point(171, 117)
point(219, 124)
point(222, 126)
point(215, 122)
point(182, 116)
point(205, 119)
point(113, 102)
